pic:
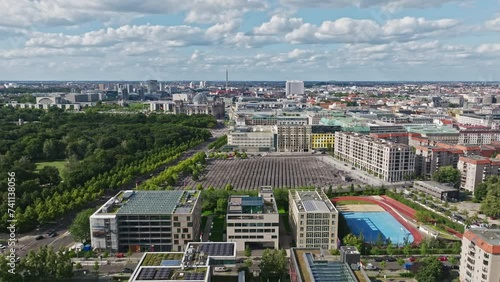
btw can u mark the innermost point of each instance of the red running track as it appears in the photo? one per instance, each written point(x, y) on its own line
point(390, 206)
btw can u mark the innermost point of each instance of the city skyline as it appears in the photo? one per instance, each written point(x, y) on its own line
point(256, 40)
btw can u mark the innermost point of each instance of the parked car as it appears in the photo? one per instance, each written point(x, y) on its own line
point(443, 258)
point(120, 255)
point(240, 260)
point(390, 259)
point(39, 237)
point(378, 259)
point(127, 270)
point(221, 269)
point(53, 234)
point(370, 266)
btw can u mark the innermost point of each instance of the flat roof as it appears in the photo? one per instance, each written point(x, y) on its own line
point(312, 201)
point(436, 185)
point(314, 205)
point(314, 267)
point(490, 236)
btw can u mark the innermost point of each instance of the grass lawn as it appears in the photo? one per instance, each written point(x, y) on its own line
point(282, 211)
point(218, 230)
point(353, 202)
point(205, 213)
point(57, 164)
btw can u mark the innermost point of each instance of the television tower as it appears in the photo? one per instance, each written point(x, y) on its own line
point(227, 79)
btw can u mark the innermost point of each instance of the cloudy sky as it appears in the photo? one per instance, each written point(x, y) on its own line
point(253, 39)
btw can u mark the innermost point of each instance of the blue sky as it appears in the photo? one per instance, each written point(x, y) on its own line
point(253, 39)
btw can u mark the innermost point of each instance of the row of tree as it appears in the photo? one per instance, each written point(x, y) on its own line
point(221, 141)
point(169, 177)
point(43, 265)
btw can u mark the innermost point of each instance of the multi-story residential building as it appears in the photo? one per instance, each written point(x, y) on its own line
point(429, 160)
point(253, 220)
point(314, 219)
point(147, 221)
point(292, 138)
point(389, 161)
point(475, 169)
point(398, 137)
point(480, 256)
point(478, 136)
point(257, 139)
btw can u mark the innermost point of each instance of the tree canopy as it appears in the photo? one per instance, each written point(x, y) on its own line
point(100, 151)
point(80, 227)
point(447, 174)
point(429, 269)
point(274, 263)
point(42, 265)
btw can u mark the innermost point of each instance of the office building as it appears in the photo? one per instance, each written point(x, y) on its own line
point(198, 263)
point(389, 161)
point(292, 138)
point(475, 169)
point(201, 106)
point(314, 219)
point(253, 221)
point(323, 137)
point(294, 87)
point(257, 139)
point(480, 256)
point(152, 86)
point(147, 221)
point(317, 265)
point(438, 190)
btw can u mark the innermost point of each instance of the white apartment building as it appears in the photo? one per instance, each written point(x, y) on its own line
point(480, 256)
point(294, 87)
point(478, 137)
point(475, 169)
point(314, 219)
point(253, 220)
point(389, 161)
point(256, 139)
point(147, 221)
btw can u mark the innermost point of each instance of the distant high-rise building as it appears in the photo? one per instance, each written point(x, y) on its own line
point(101, 86)
point(124, 94)
point(203, 84)
point(294, 87)
point(130, 88)
point(191, 84)
point(152, 86)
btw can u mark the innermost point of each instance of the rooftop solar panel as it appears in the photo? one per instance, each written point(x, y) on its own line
point(163, 274)
point(147, 274)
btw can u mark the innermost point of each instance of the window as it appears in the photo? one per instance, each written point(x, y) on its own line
point(177, 224)
point(185, 230)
